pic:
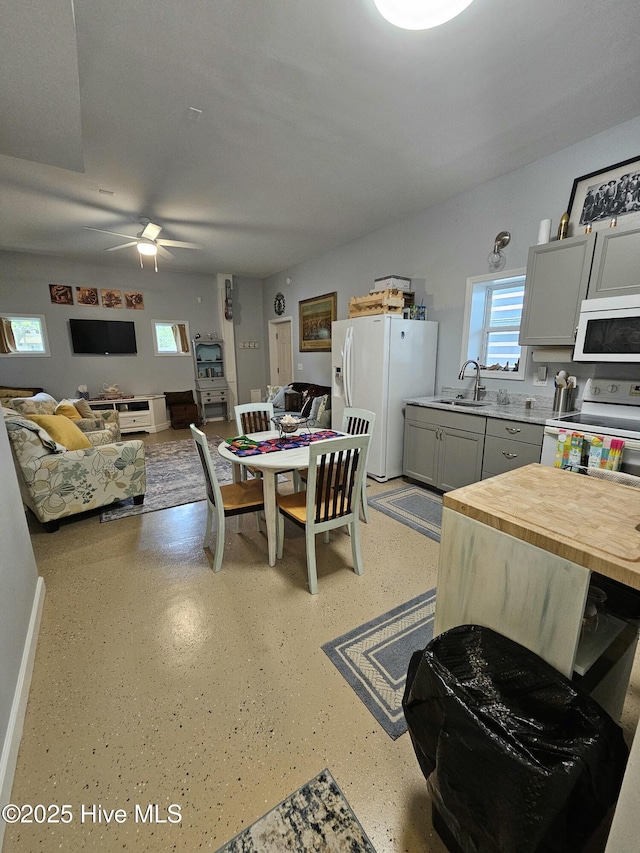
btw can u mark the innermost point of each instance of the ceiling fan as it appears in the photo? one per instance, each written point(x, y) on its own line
point(146, 242)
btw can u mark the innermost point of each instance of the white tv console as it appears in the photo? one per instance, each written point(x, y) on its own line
point(146, 413)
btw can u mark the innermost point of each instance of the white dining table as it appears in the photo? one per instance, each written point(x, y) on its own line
point(270, 464)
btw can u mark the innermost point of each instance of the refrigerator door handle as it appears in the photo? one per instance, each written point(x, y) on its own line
point(347, 366)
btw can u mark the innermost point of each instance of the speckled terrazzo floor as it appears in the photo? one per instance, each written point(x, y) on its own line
point(157, 681)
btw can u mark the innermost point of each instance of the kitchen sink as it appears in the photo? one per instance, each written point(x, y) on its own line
point(472, 404)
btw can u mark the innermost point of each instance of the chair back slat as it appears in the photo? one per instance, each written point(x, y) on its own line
point(335, 482)
point(254, 417)
point(214, 495)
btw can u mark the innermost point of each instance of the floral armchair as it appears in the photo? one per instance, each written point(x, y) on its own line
point(56, 482)
point(99, 427)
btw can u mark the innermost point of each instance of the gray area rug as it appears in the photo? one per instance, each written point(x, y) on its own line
point(174, 477)
point(413, 506)
point(374, 658)
point(316, 817)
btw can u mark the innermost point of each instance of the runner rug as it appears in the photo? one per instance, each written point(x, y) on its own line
point(174, 477)
point(317, 817)
point(374, 658)
point(413, 506)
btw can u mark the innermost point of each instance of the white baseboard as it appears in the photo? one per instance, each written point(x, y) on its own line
point(9, 757)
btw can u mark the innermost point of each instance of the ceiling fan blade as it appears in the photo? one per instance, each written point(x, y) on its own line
point(163, 252)
point(121, 246)
point(151, 231)
point(102, 231)
point(178, 244)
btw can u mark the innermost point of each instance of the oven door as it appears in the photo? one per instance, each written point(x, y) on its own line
point(609, 330)
point(630, 454)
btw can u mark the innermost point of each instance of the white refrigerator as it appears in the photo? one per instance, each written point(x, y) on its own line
point(377, 363)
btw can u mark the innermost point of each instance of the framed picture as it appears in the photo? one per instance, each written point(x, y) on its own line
point(61, 294)
point(600, 196)
point(111, 298)
point(316, 316)
point(87, 296)
point(133, 299)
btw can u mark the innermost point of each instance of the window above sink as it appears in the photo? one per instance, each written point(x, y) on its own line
point(493, 310)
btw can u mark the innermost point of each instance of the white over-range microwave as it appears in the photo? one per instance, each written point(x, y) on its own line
point(609, 330)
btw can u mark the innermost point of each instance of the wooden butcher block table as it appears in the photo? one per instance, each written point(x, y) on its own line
point(517, 555)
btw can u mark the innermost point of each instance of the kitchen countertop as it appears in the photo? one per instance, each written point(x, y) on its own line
point(588, 521)
point(490, 409)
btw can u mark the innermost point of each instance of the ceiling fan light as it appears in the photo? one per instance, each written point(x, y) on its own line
point(420, 14)
point(147, 248)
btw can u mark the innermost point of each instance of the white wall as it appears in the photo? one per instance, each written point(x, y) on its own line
point(24, 281)
point(443, 245)
point(20, 602)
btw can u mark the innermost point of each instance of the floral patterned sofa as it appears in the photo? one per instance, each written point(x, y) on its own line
point(99, 427)
point(56, 482)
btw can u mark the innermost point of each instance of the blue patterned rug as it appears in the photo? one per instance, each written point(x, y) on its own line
point(374, 658)
point(316, 817)
point(414, 506)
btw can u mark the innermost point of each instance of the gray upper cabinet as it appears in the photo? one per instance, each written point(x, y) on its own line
point(556, 282)
point(616, 264)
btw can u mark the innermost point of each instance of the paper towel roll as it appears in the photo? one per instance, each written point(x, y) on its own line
point(544, 231)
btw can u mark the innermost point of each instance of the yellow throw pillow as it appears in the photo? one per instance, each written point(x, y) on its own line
point(62, 430)
point(66, 408)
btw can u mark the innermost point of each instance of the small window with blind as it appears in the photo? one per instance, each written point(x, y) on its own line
point(493, 311)
point(171, 337)
point(23, 335)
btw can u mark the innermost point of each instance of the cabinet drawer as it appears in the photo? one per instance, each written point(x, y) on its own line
point(134, 419)
point(451, 420)
point(504, 454)
point(213, 396)
point(530, 433)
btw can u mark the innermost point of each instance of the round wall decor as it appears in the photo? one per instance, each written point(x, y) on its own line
point(279, 304)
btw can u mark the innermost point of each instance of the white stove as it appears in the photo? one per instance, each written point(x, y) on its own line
point(611, 407)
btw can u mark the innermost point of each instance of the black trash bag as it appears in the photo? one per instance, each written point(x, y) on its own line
point(517, 758)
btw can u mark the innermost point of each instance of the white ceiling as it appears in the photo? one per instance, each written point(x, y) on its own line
point(320, 122)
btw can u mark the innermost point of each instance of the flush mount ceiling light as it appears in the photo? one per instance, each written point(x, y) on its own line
point(420, 14)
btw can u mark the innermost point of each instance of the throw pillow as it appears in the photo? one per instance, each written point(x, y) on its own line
point(84, 409)
point(66, 408)
point(305, 411)
point(324, 405)
point(39, 404)
point(278, 400)
point(272, 392)
point(62, 430)
point(315, 407)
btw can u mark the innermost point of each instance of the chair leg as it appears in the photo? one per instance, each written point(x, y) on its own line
point(298, 485)
point(325, 537)
point(279, 534)
point(355, 546)
point(365, 504)
point(219, 550)
point(209, 530)
point(311, 559)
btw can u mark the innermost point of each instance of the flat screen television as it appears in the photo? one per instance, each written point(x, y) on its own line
point(103, 337)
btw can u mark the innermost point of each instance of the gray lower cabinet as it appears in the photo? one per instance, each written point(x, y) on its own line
point(443, 449)
point(556, 282)
point(510, 444)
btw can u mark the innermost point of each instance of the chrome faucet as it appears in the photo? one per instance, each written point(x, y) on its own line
point(478, 389)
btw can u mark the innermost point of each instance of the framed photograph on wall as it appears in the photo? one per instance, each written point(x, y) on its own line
point(608, 194)
point(87, 296)
point(134, 299)
point(111, 298)
point(61, 294)
point(316, 316)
